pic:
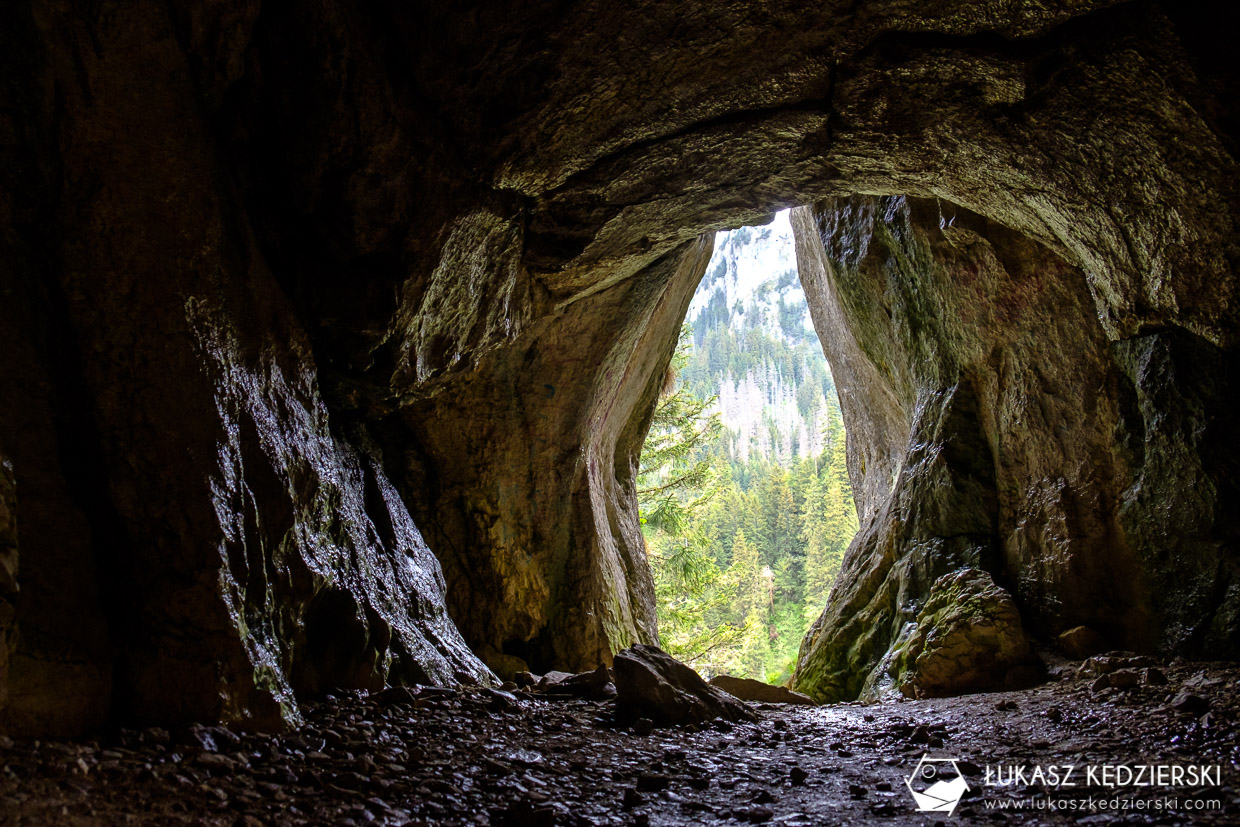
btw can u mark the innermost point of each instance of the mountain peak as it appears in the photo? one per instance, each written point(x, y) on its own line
point(752, 270)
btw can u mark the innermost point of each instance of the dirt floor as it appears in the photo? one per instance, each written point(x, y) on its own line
point(477, 756)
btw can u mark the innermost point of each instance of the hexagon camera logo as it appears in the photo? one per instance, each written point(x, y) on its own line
point(937, 784)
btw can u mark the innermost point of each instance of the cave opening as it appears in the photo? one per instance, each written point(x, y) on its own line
point(745, 501)
point(356, 315)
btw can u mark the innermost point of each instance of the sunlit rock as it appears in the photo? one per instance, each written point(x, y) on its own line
point(748, 689)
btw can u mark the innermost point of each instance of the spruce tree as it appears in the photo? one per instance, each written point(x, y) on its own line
point(830, 519)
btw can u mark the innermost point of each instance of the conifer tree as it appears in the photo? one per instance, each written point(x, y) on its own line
point(745, 572)
point(676, 477)
point(752, 606)
point(830, 518)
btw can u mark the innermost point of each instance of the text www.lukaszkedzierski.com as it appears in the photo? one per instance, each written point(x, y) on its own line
point(1092, 804)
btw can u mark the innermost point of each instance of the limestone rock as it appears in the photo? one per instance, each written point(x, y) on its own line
point(549, 564)
point(1152, 676)
point(937, 335)
point(1177, 509)
point(1081, 642)
point(553, 678)
point(595, 685)
point(1123, 679)
point(1189, 703)
point(942, 329)
point(1106, 664)
point(748, 689)
point(968, 638)
point(198, 527)
point(654, 685)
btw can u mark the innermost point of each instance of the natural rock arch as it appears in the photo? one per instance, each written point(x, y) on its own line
point(451, 249)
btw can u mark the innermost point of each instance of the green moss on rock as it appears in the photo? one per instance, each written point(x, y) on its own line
point(968, 637)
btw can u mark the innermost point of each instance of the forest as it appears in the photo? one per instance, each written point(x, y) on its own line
point(744, 544)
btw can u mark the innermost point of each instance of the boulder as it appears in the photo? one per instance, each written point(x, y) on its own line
point(747, 689)
point(652, 684)
point(1189, 702)
point(1105, 664)
point(968, 638)
point(1152, 676)
point(553, 678)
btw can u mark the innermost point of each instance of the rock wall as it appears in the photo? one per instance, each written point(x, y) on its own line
point(263, 260)
point(532, 501)
point(993, 425)
point(201, 538)
point(8, 573)
point(250, 286)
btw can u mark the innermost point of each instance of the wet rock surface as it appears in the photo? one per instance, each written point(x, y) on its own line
point(652, 684)
point(748, 689)
point(479, 756)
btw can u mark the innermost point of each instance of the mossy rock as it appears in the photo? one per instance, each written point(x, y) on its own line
point(969, 638)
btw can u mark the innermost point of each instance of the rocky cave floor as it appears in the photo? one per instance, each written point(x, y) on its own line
point(479, 756)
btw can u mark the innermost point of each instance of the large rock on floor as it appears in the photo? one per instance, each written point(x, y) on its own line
point(652, 684)
point(967, 638)
point(747, 689)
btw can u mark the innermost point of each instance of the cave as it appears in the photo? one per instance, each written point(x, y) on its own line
point(332, 333)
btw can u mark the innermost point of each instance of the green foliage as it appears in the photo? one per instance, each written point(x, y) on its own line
point(830, 527)
point(721, 351)
point(677, 473)
point(743, 555)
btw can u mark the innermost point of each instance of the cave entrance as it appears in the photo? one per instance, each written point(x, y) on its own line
point(744, 496)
